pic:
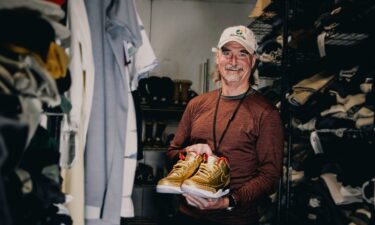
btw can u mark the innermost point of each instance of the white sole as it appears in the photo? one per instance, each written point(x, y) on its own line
point(203, 193)
point(168, 189)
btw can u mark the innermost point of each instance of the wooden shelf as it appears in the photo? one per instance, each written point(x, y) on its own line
point(163, 108)
point(166, 112)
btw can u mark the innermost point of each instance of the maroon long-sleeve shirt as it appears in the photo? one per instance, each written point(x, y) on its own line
point(253, 145)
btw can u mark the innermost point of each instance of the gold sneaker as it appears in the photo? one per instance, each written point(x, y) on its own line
point(211, 179)
point(182, 170)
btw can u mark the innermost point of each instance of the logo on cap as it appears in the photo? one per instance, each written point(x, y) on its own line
point(238, 33)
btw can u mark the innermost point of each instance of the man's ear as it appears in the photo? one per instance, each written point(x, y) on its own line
point(217, 58)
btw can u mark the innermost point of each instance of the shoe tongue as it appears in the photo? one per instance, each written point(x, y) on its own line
point(211, 159)
point(190, 156)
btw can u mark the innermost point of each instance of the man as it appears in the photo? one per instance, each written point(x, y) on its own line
point(237, 123)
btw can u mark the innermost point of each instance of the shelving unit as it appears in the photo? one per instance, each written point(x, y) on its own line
point(160, 112)
point(150, 207)
point(343, 33)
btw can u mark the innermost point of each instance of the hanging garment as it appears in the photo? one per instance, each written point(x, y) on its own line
point(21, 32)
point(33, 85)
point(31, 79)
point(46, 8)
point(130, 160)
point(144, 59)
point(111, 23)
point(141, 63)
point(34, 186)
point(75, 124)
point(56, 62)
point(50, 12)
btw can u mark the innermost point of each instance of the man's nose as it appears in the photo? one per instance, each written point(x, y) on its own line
point(234, 59)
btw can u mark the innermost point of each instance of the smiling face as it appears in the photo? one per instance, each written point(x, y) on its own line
point(234, 64)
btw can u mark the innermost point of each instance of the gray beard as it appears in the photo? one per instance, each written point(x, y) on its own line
point(231, 77)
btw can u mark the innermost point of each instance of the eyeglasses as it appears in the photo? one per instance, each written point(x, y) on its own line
point(241, 55)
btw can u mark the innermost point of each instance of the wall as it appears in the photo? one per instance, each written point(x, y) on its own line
point(182, 33)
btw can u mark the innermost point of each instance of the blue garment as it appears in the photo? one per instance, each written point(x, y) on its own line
point(111, 23)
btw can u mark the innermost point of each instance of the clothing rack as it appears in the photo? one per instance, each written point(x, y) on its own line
point(284, 190)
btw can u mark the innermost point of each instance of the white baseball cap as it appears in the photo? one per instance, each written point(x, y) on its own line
point(241, 35)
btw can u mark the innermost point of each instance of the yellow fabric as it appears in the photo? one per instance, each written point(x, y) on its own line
point(315, 82)
point(57, 61)
point(25, 51)
point(303, 90)
point(258, 9)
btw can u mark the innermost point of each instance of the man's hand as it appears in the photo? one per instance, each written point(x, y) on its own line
point(199, 149)
point(206, 203)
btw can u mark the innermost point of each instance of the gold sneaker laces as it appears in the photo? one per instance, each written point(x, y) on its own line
point(180, 167)
point(206, 169)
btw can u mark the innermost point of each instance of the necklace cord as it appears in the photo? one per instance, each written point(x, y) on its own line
point(216, 146)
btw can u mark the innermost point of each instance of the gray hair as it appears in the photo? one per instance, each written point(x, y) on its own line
point(216, 76)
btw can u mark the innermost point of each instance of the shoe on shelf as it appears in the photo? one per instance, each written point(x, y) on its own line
point(182, 170)
point(185, 86)
point(160, 128)
point(149, 128)
point(211, 179)
point(144, 174)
